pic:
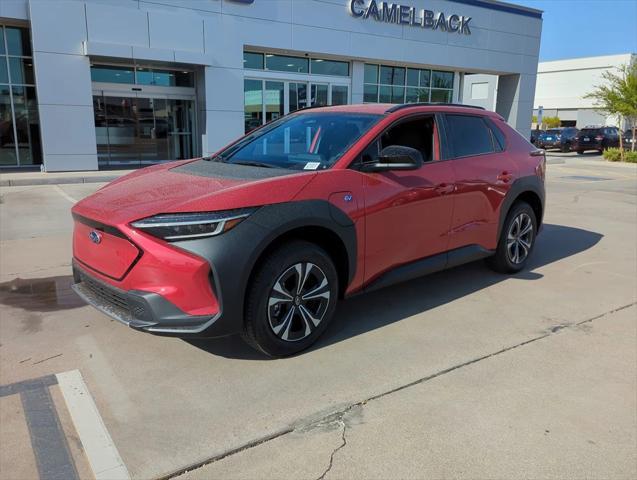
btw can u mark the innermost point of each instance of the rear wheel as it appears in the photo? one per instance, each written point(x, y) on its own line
point(291, 299)
point(516, 240)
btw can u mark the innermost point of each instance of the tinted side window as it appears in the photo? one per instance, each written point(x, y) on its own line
point(468, 135)
point(499, 138)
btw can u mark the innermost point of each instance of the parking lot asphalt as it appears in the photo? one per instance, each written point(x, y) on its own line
point(464, 374)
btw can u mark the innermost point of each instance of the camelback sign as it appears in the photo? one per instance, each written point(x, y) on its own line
point(406, 15)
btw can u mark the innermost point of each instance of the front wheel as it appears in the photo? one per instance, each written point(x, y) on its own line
point(291, 299)
point(516, 240)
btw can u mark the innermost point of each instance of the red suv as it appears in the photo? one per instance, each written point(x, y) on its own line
point(262, 238)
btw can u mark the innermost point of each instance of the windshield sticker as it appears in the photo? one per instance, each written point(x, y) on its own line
point(311, 165)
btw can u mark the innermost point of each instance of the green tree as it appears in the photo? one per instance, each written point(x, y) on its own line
point(551, 122)
point(618, 96)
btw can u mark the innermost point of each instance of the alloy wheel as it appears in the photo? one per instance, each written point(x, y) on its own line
point(520, 238)
point(298, 301)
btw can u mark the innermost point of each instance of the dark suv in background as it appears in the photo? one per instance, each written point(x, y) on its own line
point(596, 138)
point(561, 138)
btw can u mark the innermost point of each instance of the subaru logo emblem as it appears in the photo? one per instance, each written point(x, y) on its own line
point(348, 198)
point(95, 237)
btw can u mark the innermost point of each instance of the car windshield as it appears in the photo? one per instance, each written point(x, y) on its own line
point(553, 132)
point(589, 131)
point(306, 141)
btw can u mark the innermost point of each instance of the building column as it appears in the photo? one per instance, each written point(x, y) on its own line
point(515, 101)
point(63, 85)
point(358, 80)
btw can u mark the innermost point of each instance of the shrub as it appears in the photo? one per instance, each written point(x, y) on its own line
point(613, 154)
point(630, 157)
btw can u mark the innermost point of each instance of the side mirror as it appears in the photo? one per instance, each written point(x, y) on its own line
point(395, 157)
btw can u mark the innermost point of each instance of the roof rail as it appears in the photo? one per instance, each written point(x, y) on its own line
point(395, 108)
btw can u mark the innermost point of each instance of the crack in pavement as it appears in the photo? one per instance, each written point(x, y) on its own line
point(342, 445)
point(339, 415)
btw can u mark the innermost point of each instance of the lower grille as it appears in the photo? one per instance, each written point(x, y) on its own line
point(104, 293)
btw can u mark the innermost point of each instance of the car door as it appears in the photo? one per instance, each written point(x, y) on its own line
point(407, 213)
point(484, 173)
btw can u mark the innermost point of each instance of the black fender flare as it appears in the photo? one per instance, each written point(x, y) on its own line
point(530, 183)
point(233, 255)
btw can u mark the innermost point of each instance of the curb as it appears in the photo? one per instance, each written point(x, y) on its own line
point(22, 182)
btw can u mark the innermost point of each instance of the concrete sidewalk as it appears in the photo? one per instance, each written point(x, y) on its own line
point(19, 179)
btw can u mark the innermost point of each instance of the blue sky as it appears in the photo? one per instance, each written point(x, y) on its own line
point(583, 28)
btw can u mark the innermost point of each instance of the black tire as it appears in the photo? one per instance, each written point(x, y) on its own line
point(565, 148)
point(580, 152)
point(504, 260)
point(280, 270)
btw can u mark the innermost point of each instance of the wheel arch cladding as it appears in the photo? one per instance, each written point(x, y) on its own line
point(528, 189)
point(236, 254)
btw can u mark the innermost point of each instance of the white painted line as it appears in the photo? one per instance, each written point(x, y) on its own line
point(98, 445)
point(64, 194)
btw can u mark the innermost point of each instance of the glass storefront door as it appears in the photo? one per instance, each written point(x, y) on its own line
point(266, 100)
point(134, 130)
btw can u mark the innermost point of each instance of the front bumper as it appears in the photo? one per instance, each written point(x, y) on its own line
point(145, 311)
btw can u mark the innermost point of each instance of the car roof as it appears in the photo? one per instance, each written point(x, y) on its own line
point(388, 108)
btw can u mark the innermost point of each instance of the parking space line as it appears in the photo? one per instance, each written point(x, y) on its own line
point(64, 194)
point(100, 450)
point(50, 448)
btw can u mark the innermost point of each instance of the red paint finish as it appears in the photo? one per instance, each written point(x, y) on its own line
point(112, 256)
point(399, 216)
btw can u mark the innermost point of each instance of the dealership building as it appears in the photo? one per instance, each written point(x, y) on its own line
point(99, 84)
point(562, 86)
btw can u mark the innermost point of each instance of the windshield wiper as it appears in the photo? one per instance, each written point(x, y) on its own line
point(254, 164)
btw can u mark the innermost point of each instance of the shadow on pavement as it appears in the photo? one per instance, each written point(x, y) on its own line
point(367, 312)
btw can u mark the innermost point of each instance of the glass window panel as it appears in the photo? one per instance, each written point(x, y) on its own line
point(144, 76)
point(371, 73)
point(7, 142)
point(441, 79)
point(21, 114)
point(4, 72)
point(469, 135)
point(18, 42)
point(164, 78)
point(112, 74)
point(425, 78)
point(384, 94)
point(318, 95)
point(392, 75)
point(423, 95)
point(253, 60)
point(412, 95)
point(101, 129)
point(21, 71)
point(34, 126)
point(329, 67)
point(298, 96)
point(122, 123)
point(370, 93)
point(2, 52)
point(274, 102)
point(184, 79)
point(441, 96)
point(339, 95)
point(282, 63)
point(398, 95)
point(253, 104)
point(412, 77)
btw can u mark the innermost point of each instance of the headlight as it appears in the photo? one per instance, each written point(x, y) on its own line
point(185, 226)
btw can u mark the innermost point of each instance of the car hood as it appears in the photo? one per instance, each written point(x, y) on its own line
point(190, 186)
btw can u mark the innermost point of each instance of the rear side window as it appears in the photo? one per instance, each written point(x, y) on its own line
point(499, 141)
point(468, 135)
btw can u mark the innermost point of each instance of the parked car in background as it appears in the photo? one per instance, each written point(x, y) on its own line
point(264, 237)
point(535, 134)
point(596, 138)
point(628, 139)
point(560, 138)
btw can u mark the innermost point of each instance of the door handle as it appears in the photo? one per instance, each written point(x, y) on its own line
point(445, 188)
point(505, 177)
